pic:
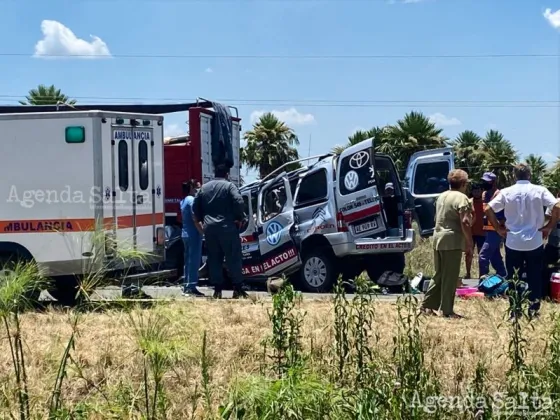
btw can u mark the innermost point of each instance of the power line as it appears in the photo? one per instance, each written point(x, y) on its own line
point(285, 57)
point(328, 103)
point(322, 100)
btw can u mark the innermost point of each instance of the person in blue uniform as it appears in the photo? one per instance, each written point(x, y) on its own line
point(192, 240)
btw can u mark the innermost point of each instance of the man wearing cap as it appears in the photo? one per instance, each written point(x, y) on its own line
point(389, 189)
point(491, 252)
point(220, 206)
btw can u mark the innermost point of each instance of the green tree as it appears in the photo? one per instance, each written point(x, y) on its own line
point(467, 147)
point(551, 178)
point(46, 95)
point(538, 168)
point(270, 144)
point(499, 157)
point(377, 133)
point(413, 133)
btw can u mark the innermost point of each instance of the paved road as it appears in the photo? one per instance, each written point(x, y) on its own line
point(174, 292)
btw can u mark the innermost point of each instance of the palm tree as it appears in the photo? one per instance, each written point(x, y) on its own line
point(551, 178)
point(270, 144)
point(468, 153)
point(499, 156)
point(413, 133)
point(538, 168)
point(46, 95)
point(358, 136)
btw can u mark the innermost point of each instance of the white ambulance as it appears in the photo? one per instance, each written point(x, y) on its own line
point(72, 176)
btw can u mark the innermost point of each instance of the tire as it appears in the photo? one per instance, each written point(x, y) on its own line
point(64, 290)
point(8, 265)
point(318, 272)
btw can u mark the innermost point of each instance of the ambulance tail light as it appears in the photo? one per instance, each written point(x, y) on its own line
point(160, 236)
point(340, 223)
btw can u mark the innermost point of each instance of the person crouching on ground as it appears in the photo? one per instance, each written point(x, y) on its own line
point(192, 240)
point(452, 235)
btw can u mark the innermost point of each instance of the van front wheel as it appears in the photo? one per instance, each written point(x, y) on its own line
point(317, 273)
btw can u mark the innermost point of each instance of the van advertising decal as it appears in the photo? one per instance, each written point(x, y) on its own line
point(273, 233)
point(351, 180)
point(359, 159)
point(384, 246)
point(276, 261)
point(321, 222)
point(361, 208)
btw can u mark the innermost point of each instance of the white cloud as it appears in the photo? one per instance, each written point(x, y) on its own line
point(58, 40)
point(549, 157)
point(209, 70)
point(443, 120)
point(290, 116)
point(174, 130)
point(552, 17)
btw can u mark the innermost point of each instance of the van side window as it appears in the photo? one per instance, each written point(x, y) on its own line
point(274, 200)
point(431, 178)
point(123, 165)
point(143, 165)
point(313, 188)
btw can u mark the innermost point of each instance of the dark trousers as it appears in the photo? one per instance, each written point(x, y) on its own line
point(478, 242)
point(220, 244)
point(532, 263)
point(491, 254)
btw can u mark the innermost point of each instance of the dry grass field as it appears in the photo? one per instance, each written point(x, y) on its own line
point(187, 358)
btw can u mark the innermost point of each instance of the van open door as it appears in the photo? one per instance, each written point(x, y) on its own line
point(427, 178)
point(357, 195)
point(252, 266)
point(275, 219)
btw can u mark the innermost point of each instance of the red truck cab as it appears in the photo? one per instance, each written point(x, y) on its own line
point(189, 157)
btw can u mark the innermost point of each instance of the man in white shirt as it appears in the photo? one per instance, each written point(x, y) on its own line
point(523, 204)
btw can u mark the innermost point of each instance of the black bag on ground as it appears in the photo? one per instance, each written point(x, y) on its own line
point(393, 282)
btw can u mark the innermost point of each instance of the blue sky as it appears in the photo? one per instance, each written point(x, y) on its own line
point(292, 87)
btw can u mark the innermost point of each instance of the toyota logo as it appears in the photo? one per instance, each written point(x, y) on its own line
point(273, 233)
point(351, 180)
point(359, 159)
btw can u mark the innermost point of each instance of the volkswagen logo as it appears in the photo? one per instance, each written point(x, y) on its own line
point(351, 180)
point(273, 233)
point(359, 159)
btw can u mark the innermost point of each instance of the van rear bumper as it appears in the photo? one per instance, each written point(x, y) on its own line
point(376, 246)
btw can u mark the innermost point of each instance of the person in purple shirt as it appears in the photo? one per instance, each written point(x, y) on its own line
point(192, 240)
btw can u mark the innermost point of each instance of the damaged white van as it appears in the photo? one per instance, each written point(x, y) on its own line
point(332, 217)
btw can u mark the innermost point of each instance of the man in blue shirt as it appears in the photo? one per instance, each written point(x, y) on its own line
point(192, 240)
